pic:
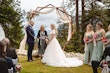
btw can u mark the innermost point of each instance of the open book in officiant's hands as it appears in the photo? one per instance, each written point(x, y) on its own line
point(42, 37)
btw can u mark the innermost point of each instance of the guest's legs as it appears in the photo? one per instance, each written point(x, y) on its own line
point(94, 69)
point(95, 65)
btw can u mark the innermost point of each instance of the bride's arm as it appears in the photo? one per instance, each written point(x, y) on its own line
point(51, 37)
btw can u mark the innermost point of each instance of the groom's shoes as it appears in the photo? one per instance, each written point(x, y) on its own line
point(30, 60)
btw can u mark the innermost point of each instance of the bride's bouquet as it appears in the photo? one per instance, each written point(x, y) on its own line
point(47, 39)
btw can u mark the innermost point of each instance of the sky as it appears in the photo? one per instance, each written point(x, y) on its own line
point(42, 19)
point(33, 4)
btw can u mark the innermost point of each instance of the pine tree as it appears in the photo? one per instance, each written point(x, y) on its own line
point(10, 19)
point(62, 38)
point(62, 34)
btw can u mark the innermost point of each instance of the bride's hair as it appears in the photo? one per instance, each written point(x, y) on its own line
point(54, 28)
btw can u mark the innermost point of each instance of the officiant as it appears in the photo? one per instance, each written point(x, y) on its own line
point(42, 36)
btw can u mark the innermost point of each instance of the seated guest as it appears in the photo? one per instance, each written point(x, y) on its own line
point(3, 55)
point(10, 52)
point(3, 65)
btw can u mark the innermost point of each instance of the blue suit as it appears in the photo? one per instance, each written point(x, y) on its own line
point(30, 41)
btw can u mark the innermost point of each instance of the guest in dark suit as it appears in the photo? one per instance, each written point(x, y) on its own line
point(30, 40)
point(95, 64)
point(42, 35)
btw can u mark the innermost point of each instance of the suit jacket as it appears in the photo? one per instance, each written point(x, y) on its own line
point(3, 66)
point(30, 34)
point(10, 63)
point(106, 53)
point(10, 52)
point(39, 36)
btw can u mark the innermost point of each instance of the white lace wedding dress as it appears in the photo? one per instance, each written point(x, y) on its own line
point(54, 56)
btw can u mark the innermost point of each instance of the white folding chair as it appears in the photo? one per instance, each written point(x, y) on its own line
point(15, 61)
point(10, 70)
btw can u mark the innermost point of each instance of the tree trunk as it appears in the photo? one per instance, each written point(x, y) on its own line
point(77, 11)
point(82, 8)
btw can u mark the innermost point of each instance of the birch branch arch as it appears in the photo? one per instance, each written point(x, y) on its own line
point(61, 13)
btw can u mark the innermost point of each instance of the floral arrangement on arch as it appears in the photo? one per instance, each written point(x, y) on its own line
point(31, 14)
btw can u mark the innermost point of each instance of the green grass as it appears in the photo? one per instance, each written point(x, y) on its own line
point(38, 67)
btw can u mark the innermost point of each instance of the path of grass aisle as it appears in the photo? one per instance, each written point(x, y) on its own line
point(38, 67)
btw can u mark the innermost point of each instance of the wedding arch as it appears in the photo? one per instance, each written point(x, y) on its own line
point(61, 13)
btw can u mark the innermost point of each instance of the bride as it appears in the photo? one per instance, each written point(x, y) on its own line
point(54, 55)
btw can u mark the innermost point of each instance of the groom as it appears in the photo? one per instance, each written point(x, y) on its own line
point(30, 40)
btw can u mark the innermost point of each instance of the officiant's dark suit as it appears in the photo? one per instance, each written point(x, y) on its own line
point(30, 39)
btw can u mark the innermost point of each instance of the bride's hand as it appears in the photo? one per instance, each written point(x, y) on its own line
point(48, 42)
point(51, 37)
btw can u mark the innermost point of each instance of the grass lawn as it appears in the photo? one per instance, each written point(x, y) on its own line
point(38, 67)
